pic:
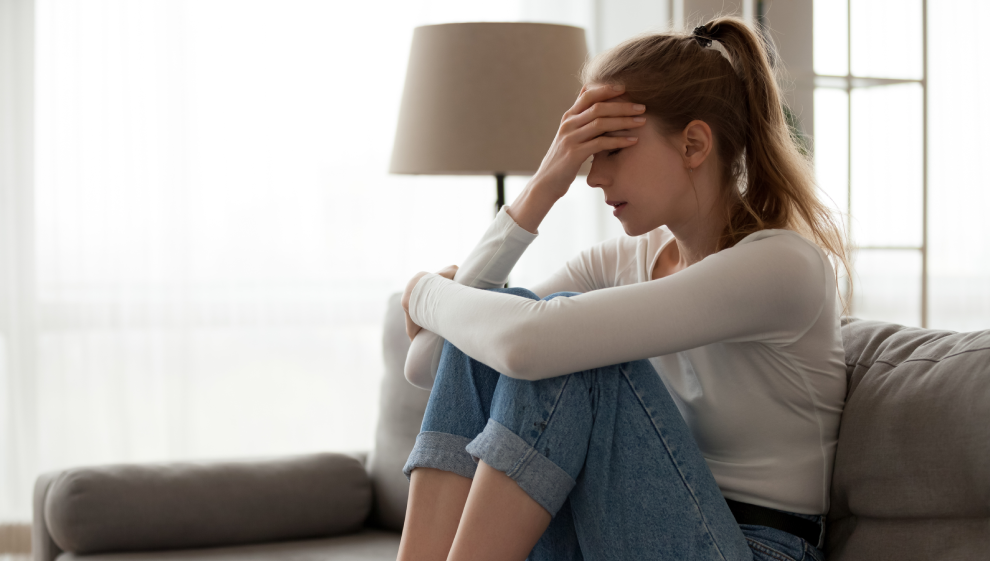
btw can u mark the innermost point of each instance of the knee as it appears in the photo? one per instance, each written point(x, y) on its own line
point(517, 291)
point(526, 293)
point(561, 295)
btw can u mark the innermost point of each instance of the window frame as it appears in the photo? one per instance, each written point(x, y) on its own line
point(850, 82)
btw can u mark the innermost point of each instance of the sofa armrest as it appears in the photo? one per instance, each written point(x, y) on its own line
point(137, 507)
point(43, 547)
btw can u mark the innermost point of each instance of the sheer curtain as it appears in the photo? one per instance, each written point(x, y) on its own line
point(17, 333)
point(214, 232)
point(959, 191)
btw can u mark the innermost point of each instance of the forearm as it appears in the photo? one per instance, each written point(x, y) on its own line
point(423, 359)
point(532, 205)
point(487, 266)
point(490, 262)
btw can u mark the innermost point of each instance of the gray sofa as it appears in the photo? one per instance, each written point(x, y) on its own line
point(911, 478)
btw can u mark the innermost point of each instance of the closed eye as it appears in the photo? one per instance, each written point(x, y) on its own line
point(614, 152)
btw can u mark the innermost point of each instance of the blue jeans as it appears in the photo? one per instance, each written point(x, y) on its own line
point(605, 451)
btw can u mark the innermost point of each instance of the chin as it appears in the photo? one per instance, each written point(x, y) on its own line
point(633, 230)
point(636, 228)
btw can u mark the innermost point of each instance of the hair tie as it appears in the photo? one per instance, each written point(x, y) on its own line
point(702, 35)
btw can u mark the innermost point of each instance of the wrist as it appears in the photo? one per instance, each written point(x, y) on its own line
point(545, 190)
point(407, 294)
point(533, 204)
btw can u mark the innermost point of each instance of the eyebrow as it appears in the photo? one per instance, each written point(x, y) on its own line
point(623, 132)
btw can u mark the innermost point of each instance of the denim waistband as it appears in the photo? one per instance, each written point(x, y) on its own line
point(807, 527)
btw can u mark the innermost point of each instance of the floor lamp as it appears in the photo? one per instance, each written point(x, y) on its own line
point(485, 98)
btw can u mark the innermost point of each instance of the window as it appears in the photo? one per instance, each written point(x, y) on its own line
point(895, 91)
point(869, 144)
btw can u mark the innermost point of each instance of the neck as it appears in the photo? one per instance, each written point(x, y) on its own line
point(697, 240)
point(697, 236)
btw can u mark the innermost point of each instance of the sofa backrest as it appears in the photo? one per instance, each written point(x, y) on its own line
point(912, 466)
point(401, 408)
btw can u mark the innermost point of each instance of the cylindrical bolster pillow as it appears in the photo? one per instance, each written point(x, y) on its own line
point(184, 505)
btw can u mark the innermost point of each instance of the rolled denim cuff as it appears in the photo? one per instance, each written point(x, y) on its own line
point(544, 481)
point(443, 451)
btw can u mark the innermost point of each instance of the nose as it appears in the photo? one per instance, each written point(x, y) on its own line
point(597, 176)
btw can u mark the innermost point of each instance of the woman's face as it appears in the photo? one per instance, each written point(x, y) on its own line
point(647, 183)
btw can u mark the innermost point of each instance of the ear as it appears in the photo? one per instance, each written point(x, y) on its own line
point(696, 143)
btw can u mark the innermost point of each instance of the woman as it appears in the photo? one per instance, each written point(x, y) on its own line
point(676, 393)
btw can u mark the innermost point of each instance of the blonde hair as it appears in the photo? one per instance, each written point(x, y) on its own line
point(767, 182)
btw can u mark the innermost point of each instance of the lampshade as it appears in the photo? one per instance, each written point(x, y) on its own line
point(485, 98)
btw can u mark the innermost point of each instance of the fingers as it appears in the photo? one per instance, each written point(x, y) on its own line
point(603, 143)
point(592, 95)
point(603, 110)
point(448, 272)
point(604, 125)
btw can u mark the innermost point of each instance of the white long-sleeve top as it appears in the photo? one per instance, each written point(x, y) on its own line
point(746, 341)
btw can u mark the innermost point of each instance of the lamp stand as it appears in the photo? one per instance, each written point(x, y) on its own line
point(500, 199)
point(499, 191)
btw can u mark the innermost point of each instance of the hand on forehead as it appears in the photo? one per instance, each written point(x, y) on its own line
point(614, 106)
point(624, 98)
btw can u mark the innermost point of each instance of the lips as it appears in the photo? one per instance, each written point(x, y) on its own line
point(617, 205)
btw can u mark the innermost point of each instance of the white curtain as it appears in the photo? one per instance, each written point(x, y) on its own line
point(17, 325)
point(214, 234)
point(958, 118)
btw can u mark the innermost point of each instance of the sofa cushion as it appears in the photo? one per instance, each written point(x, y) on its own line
point(401, 407)
point(368, 545)
point(857, 538)
point(914, 442)
point(106, 508)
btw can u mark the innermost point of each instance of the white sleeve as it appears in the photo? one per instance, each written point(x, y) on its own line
point(770, 287)
point(488, 266)
point(490, 263)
